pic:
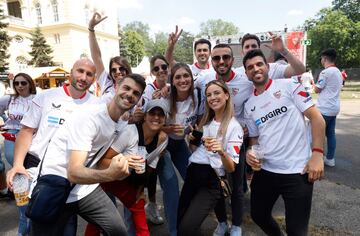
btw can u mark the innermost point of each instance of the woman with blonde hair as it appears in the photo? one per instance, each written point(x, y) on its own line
point(222, 138)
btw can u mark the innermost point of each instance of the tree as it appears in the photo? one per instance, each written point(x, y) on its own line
point(351, 8)
point(4, 43)
point(217, 27)
point(184, 48)
point(334, 29)
point(160, 44)
point(132, 47)
point(143, 30)
point(40, 50)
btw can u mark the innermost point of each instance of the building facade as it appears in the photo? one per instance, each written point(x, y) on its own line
point(64, 24)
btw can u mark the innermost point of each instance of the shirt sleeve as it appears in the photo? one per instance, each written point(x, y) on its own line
point(277, 71)
point(33, 116)
point(234, 141)
point(301, 97)
point(127, 142)
point(322, 81)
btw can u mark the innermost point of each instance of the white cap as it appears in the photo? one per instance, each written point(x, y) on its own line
point(161, 103)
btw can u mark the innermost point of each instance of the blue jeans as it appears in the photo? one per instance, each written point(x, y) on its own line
point(180, 154)
point(330, 135)
point(170, 186)
point(9, 147)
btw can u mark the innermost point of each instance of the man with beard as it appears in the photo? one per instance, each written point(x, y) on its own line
point(88, 131)
point(47, 113)
point(202, 50)
point(291, 161)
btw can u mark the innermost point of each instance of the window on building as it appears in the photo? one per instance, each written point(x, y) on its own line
point(57, 38)
point(54, 5)
point(38, 13)
point(14, 9)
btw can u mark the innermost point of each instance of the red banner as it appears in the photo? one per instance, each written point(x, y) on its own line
point(294, 44)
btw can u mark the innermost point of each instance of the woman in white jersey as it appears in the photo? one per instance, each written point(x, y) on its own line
point(183, 103)
point(16, 105)
point(119, 67)
point(223, 137)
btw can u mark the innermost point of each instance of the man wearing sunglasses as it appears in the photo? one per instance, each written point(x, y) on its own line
point(202, 50)
point(48, 111)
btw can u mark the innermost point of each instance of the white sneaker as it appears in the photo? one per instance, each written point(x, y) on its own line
point(221, 229)
point(329, 162)
point(235, 230)
point(153, 214)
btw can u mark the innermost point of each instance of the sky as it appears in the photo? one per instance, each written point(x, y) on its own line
point(253, 16)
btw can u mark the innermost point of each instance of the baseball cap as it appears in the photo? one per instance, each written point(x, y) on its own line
point(161, 103)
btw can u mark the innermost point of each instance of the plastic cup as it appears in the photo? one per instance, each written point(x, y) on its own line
point(142, 168)
point(259, 155)
point(207, 141)
point(21, 186)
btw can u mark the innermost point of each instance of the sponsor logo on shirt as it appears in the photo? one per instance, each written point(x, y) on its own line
point(271, 115)
point(237, 149)
point(56, 106)
point(52, 120)
point(253, 109)
point(305, 95)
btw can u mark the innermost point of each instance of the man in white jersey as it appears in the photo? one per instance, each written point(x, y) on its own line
point(275, 114)
point(294, 67)
point(202, 50)
point(47, 113)
point(328, 87)
point(85, 133)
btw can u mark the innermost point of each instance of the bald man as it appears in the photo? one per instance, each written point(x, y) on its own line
point(48, 111)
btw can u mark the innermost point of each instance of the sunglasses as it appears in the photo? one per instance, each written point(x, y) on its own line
point(23, 83)
point(157, 68)
point(225, 57)
point(121, 70)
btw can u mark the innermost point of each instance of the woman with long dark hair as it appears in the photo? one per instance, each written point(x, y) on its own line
point(16, 105)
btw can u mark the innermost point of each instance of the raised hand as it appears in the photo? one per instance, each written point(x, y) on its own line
point(174, 36)
point(277, 44)
point(95, 20)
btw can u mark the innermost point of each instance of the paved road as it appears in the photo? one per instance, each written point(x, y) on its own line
point(336, 199)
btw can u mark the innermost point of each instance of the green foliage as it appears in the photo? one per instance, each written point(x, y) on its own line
point(40, 50)
point(351, 8)
point(217, 27)
point(4, 43)
point(160, 44)
point(334, 29)
point(132, 47)
point(143, 30)
point(184, 48)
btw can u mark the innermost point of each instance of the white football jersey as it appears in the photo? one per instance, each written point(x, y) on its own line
point(276, 118)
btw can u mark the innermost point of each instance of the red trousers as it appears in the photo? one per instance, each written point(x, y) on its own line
point(127, 194)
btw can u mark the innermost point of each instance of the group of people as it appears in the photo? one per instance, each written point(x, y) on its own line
point(202, 119)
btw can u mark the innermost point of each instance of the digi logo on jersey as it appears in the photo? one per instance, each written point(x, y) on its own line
point(52, 120)
point(271, 115)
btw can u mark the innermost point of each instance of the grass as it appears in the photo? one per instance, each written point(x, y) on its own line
point(351, 90)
